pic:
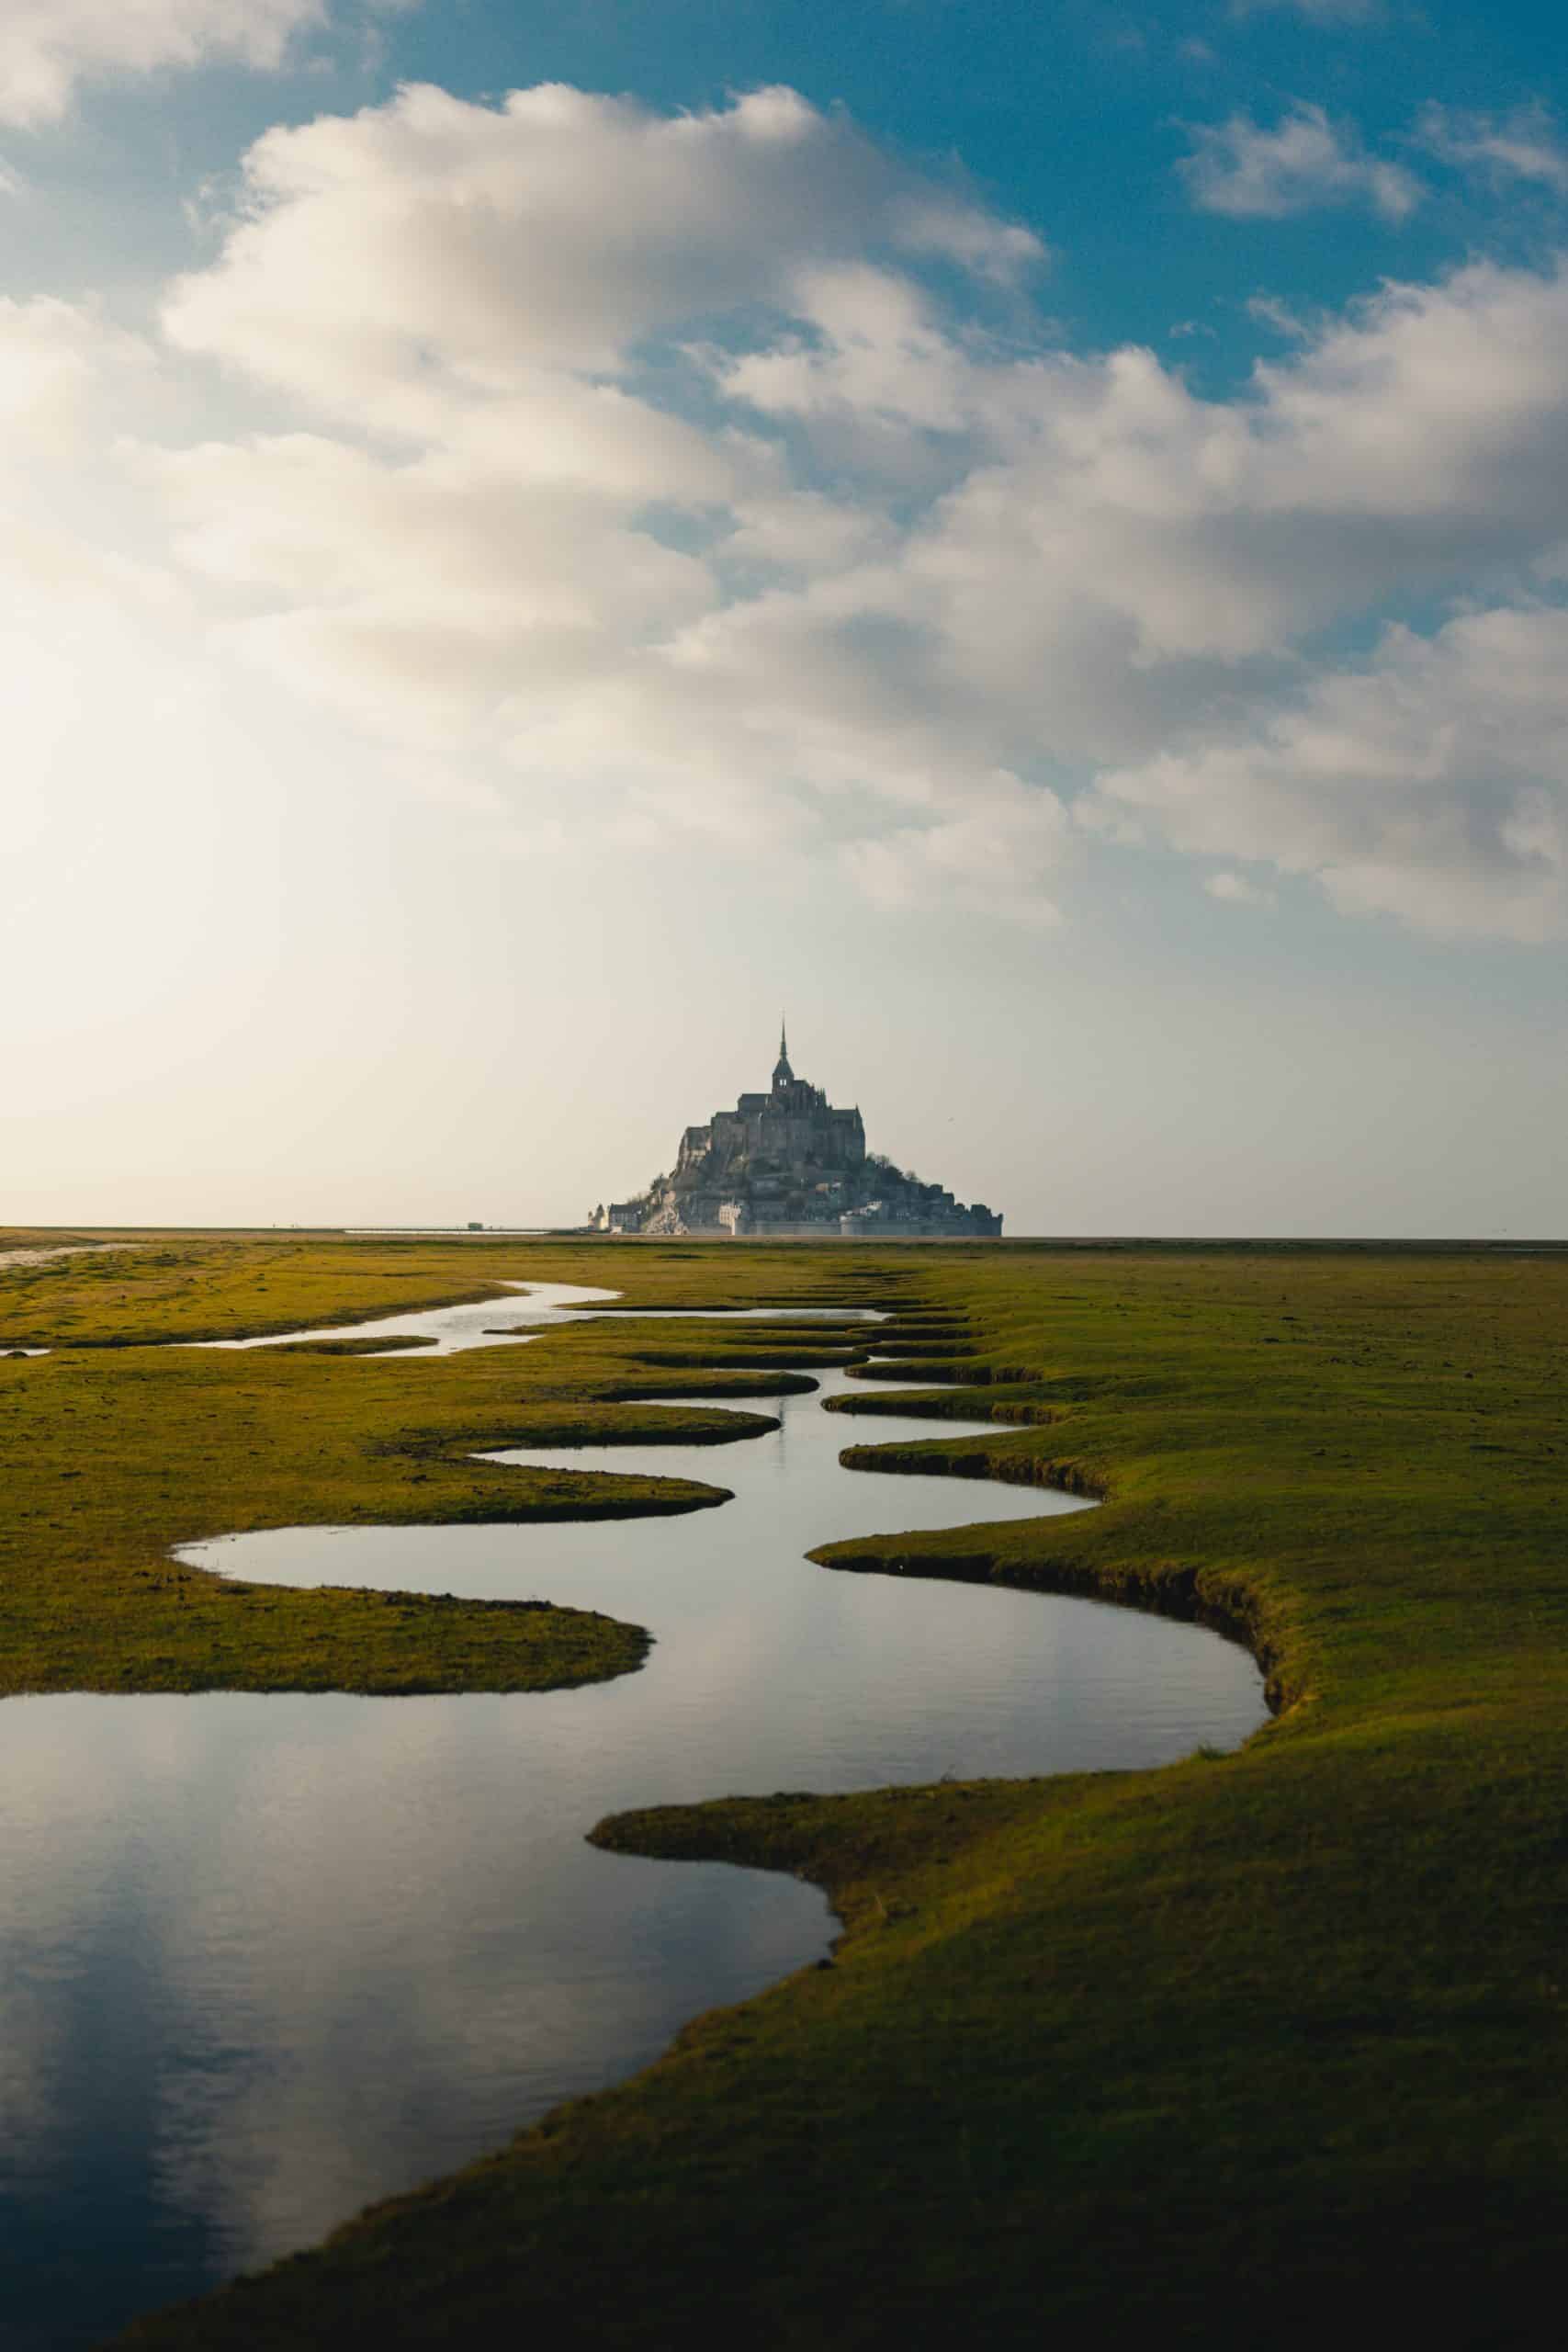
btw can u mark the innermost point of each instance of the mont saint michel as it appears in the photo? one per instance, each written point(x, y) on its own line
point(787, 1162)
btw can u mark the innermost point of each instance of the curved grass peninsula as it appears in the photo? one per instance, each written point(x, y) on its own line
point(1225, 2050)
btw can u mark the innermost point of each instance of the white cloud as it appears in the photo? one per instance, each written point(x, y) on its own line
point(1002, 855)
point(468, 279)
point(433, 246)
point(420, 587)
point(636, 491)
point(1432, 785)
point(1397, 450)
point(68, 379)
point(49, 49)
point(1523, 145)
point(56, 359)
point(1248, 172)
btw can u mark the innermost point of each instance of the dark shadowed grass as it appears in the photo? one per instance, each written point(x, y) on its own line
point(1265, 2048)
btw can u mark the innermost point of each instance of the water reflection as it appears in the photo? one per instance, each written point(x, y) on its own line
point(451, 1329)
point(263, 1965)
point(269, 1957)
point(487, 1321)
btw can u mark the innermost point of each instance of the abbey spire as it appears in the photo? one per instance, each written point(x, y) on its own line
point(783, 1074)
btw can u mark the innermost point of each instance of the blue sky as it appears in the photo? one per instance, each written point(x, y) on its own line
point(1036, 534)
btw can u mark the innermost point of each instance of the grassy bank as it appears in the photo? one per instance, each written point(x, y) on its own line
point(1252, 2048)
point(114, 1451)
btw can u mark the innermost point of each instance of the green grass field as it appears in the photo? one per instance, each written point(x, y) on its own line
point(116, 1449)
point(1253, 2049)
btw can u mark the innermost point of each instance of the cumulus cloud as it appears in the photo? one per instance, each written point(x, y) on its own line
point(639, 474)
point(1523, 145)
point(1396, 451)
point(1432, 786)
point(68, 374)
point(50, 47)
point(533, 548)
point(1250, 173)
point(433, 245)
point(428, 583)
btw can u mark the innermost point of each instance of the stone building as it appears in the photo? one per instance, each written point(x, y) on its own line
point(787, 1162)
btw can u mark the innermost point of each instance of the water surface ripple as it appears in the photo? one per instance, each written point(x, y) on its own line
point(269, 1957)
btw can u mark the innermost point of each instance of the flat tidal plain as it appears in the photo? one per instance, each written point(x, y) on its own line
point(1227, 2050)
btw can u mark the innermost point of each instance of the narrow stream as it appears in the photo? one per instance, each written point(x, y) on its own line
point(269, 1957)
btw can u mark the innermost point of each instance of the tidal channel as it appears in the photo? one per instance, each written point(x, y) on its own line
point(267, 1959)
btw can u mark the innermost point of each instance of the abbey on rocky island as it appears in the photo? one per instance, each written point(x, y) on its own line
point(786, 1162)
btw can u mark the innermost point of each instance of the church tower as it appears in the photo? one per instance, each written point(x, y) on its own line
point(783, 1074)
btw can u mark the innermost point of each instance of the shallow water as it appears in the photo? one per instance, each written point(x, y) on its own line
point(450, 1329)
point(269, 1958)
point(485, 1322)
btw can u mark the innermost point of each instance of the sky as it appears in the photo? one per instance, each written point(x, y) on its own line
point(1033, 536)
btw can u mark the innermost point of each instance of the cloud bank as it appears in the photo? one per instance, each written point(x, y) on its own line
point(647, 478)
point(49, 49)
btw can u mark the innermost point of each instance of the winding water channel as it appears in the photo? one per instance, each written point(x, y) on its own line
point(269, 1957)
